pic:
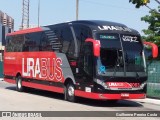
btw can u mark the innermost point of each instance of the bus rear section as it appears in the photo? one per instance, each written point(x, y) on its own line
point(91, 59)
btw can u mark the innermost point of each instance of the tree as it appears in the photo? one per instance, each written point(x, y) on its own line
point(140, 3)
point(153, 31)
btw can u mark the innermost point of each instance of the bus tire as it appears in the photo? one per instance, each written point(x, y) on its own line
point(70, 92)
point(65, 92)
point(19, 86)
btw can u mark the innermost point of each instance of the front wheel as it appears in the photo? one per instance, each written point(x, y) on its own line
point(69, 92)
point(19, 86)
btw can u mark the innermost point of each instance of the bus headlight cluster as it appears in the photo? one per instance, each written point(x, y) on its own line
point(100, 82)
point(142, 85)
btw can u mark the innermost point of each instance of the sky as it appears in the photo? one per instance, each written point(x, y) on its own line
point(58, 11)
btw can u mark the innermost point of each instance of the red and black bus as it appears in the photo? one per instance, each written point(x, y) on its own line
point(91, 59)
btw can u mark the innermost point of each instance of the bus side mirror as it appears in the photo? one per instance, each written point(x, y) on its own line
point(96, 46)
point(154, 48)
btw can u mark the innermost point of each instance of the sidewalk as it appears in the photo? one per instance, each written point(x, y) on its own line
point(148, 100)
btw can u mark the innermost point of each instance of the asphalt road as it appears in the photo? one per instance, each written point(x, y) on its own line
point(37, 100)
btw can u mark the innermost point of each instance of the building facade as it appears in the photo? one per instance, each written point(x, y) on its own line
point(6, 26)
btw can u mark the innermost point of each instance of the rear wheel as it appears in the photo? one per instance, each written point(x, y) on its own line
point(19, 86)
point(69, 93)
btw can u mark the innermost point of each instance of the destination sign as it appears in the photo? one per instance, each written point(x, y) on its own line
point(114, 28)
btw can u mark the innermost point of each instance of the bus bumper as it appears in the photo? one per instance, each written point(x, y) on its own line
point(100, 96)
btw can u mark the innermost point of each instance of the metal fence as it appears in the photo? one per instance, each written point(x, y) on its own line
point(153, 87)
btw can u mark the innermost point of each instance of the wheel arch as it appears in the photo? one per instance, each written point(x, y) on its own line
point(18, 74)
point(68, 80)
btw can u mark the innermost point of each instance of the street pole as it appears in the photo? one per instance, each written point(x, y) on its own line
point(77, 9)
point(38, 12)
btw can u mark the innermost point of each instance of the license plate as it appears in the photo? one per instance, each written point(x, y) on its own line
point(124, 94)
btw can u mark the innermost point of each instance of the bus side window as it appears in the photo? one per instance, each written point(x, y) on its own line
point(50, 40)
point(14, 43)
point(32, 42)
point(82, 33)
point(45, 43)
point(19, 43)
point(9, 47)
point(65, 39)
point(56, 42)
point(68, 42)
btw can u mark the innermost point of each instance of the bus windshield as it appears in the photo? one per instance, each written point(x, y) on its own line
point(120, 55)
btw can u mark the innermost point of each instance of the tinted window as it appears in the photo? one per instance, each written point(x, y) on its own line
point(51, 40)
point(67, 40)
point(32, 42)
point(65, 37)
point(15, 43)
point(82, 33)
point(24, 42)
point(45, 44)
point(9, 46)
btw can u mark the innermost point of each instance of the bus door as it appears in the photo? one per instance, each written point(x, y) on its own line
point(86, 69)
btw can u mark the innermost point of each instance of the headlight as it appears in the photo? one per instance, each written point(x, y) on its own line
point(100, 82)
point(142, 85)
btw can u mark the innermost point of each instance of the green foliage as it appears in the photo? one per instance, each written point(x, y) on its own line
point(153, 32)
point(139, 2)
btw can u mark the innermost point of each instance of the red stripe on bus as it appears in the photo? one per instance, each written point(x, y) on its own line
point(107, 96)
point(43, 87)
point(10, 81)
point(38, 29)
